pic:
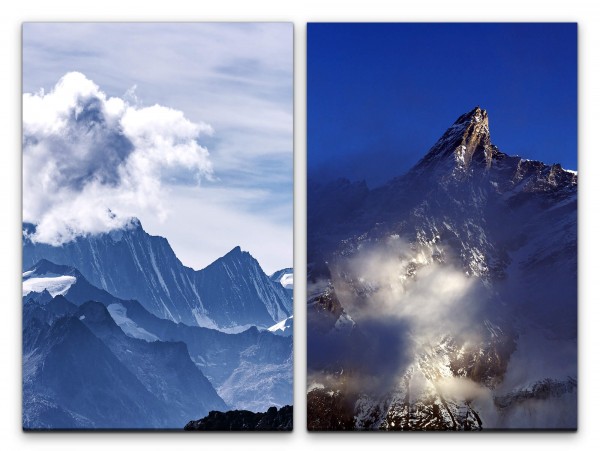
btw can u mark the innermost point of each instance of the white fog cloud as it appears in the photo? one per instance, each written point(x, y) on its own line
point(405, 300)
point(405, 284)
point(92, 162)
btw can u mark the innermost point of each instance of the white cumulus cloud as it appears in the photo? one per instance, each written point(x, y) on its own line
point(92, 162)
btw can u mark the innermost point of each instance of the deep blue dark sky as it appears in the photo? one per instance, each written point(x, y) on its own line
point(380, 95)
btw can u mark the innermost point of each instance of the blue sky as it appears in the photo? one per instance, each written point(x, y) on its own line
point(233, 80)
point(380, 95)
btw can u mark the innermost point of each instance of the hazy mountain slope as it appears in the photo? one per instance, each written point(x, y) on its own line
point(250, 370)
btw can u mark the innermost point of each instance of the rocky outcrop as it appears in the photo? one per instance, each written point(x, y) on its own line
point(244, 420)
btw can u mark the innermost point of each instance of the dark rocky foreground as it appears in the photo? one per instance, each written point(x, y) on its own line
point(244, 420)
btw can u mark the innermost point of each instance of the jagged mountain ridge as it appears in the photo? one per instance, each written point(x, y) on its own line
point(79, 289)
point(57, 359)
point(252, 369)
point(81, 371)
point(183, 392)
point(463, 177)
point(232, 292)
point(508, 223)
point(462, 200)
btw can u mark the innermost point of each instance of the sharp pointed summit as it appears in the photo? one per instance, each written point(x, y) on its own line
point(235, 252)
point(467, 141)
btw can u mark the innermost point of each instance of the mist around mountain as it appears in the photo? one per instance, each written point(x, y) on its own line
point(445, 299)
point(93, 359)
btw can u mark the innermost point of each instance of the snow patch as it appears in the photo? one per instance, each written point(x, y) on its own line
point(315, 386)
point(127, 325)
point(281, 325)
point(55, 285)
point(287, 281)
point(344, 322)
point(235, 329)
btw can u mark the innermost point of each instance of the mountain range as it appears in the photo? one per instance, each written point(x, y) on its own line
point(94, 359)
point(231, 293)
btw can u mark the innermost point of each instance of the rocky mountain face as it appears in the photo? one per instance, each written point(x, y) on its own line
point(130, 368)
point(71, 379)
point(243, 420)
point(163, 367)
point(250, 370)
point(428, 294)
point(240, 293)
point(231, 293)
point(137, 353)
point(80, 370)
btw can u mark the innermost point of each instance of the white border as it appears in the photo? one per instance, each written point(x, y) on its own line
point(299, 12)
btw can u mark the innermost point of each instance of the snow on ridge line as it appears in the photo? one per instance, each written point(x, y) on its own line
point(232, 330)
point(55, 285)
point(281, 325)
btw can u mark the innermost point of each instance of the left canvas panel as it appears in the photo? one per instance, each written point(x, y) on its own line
point(157, 226)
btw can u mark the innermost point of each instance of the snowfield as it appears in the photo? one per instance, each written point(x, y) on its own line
point(282, 325)
point(55, 285)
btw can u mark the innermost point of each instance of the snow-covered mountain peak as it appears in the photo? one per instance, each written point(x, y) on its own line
point(474, 122)
point(284, 327)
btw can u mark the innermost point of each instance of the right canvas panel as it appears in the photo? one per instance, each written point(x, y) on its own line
point(442, 226)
